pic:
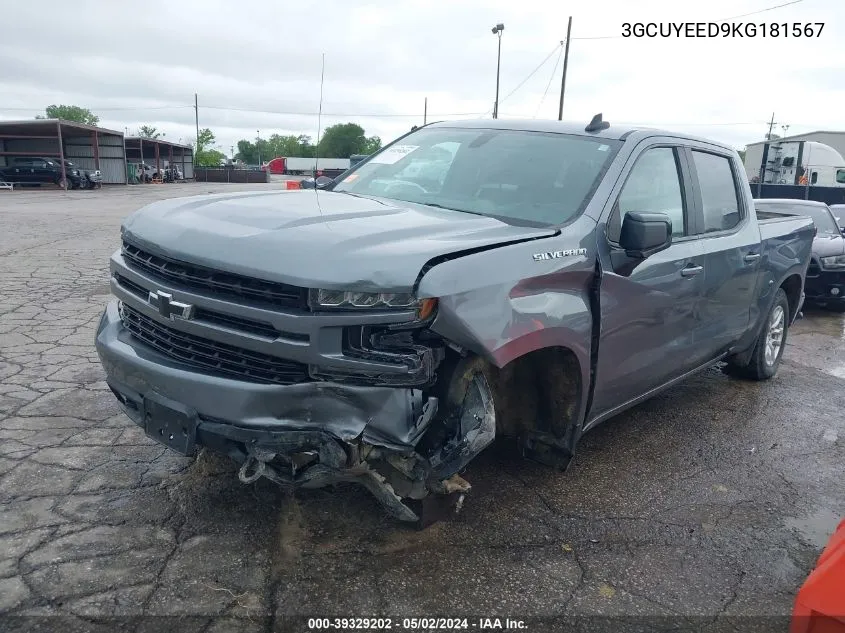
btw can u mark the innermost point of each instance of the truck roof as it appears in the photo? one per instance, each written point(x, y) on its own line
point(617, 132)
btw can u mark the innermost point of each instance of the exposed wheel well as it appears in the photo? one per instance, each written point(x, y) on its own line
point(539, 391)
point(792, 287)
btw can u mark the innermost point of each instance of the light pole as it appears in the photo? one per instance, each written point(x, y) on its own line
point(497, 30)
point(258, 145)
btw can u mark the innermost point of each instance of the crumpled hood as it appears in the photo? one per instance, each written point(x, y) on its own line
point(828, 244)
point(314, 239)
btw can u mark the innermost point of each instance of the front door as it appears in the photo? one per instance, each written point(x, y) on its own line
point(648, 307)
point(46, 171)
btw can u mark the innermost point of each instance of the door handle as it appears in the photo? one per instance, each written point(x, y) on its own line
point(751, 257)
point(691, 271)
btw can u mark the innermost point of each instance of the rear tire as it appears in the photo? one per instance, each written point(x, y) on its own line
point(768, 350)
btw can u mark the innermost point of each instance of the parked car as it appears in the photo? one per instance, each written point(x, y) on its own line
point(144, 172)
point(838, 211)
point(92, 179)
point(384, 332)
point(311, 183)
point(39, 171)
point(826, 275)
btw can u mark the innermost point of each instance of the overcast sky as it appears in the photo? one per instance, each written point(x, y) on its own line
point(256, 65)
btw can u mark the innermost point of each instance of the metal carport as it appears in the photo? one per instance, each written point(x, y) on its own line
point(156, 152)
point(87, 146)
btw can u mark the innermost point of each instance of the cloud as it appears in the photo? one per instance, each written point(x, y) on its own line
point(256, 66)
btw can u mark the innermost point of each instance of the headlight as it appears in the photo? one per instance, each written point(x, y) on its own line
point(837, 261)
point(74, 172)
point(351, 300)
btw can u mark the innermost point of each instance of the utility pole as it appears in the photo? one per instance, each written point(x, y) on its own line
point(771, 125)
point(565, 64)
point(197, 119)
point(425, 110)
point(497, 30)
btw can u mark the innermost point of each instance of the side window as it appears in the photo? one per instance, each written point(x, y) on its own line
point(718, 191)
point(814, 178)
point(653, 186)
point(840, 176)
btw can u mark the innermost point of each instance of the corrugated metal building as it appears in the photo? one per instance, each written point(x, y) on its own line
point(88, 147)
point(754, 151)
point(159, 153)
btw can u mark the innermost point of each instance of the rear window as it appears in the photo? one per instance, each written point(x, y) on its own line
point(718, 191)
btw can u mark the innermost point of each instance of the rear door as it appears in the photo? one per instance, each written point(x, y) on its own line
point(730, 239)
point(647, 307)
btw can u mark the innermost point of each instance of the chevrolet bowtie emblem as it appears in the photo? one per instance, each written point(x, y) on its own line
point(169, 308)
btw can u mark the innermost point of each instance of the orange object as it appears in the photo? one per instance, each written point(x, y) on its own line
point(426, 308)
point(292, 184)
point(820, 604)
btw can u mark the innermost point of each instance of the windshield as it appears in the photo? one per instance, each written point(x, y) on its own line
point(534, 177)
point(822, 217)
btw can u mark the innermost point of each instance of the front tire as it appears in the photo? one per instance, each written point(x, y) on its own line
point(768, 350)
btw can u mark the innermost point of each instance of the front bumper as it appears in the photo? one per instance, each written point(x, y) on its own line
point(381, 416)
point(306, 435)
point(826, 286)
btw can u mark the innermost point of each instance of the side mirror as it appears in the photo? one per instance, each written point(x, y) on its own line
point(644, 234)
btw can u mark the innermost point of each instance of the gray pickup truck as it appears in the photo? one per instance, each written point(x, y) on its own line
point(478, 278)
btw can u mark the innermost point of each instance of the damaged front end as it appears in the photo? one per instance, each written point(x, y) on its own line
point(417, 484)
point(405, 436)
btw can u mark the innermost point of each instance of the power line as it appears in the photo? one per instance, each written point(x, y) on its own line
point(531, 74)
point(548, 85)
point(733, 17)
point(110, 108)
point(261, 111)
point(340, 114)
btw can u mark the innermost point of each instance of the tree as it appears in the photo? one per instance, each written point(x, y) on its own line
point(290, 145)
point(344, 139)
point(70, 113)
point(148, 131)
point(246, 152)
point(204, 156)
point(373, 145)
point(276, 145)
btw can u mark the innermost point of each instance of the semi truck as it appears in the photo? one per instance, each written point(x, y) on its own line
point(795, 163)
point(307, 166)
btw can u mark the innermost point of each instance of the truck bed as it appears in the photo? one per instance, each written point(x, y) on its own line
point(777, 225)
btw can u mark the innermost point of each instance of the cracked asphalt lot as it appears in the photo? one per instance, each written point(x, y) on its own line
point(712, 500)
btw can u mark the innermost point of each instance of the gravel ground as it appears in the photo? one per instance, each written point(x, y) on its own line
point(710, 501)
